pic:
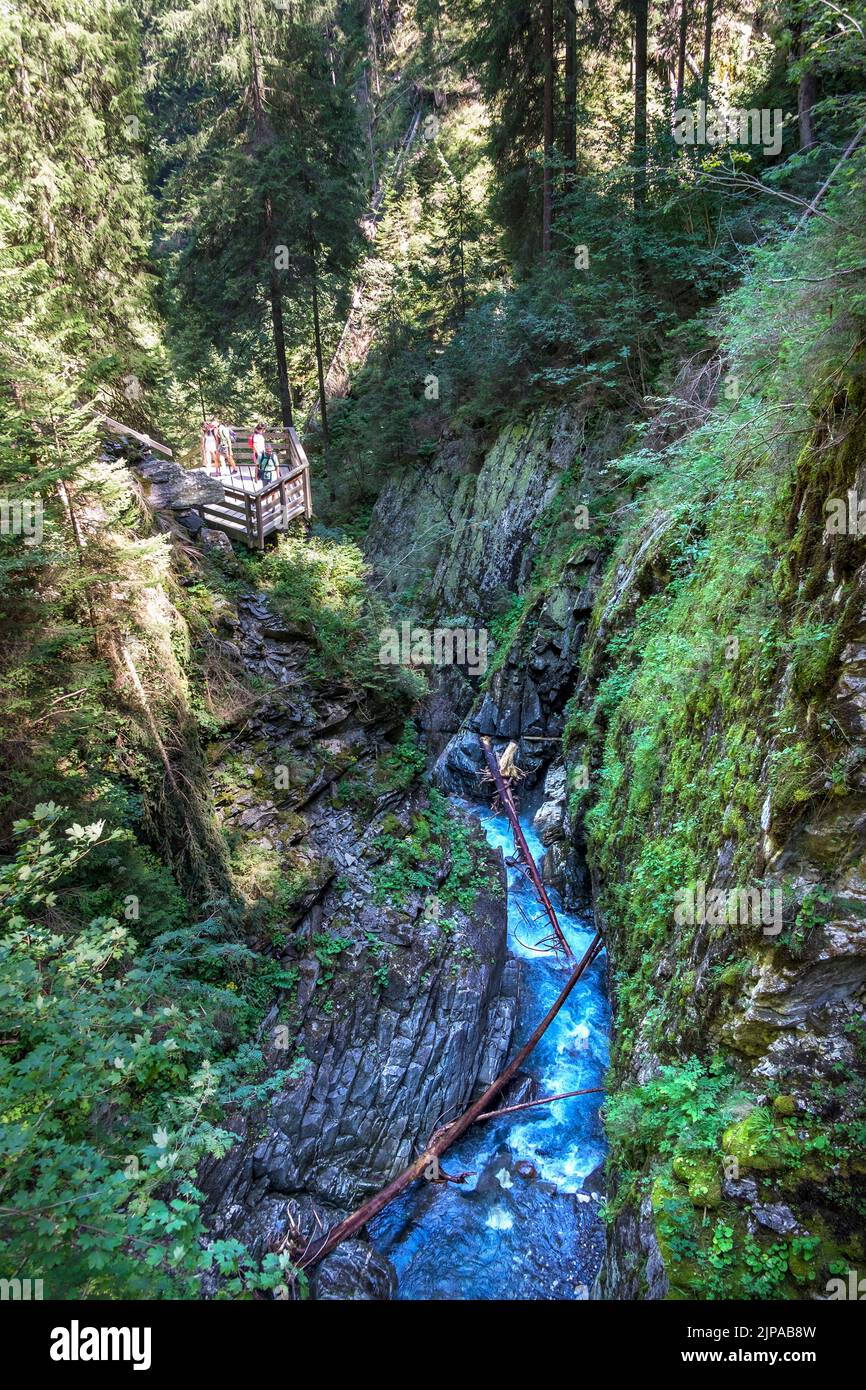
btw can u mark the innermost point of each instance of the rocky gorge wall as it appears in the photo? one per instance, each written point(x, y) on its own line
point(693, 680)
point(723, 720)
point(685, 672)
point(370, 915)
point(399, 1001)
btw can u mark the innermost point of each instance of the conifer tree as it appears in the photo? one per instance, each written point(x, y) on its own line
point(274, 146)
point(77, 331)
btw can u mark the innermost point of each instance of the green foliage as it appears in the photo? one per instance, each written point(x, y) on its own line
point(414, 862)
point(406, 761)
point(327, 949)
point(112, 1083)
point(683, 1110)
point(320, 588)
point(260, 191)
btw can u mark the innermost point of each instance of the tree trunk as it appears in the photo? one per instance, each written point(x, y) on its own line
point(681, 51)
point(371, 44)
point(641, 23)
point(368, 109)
point(506, 798)
point(257, 86)
point(806, 93)
point(708, 52)
point(569, 133)
point(320, 366)
point(280, 350)
point(462, 250)
point(257, 92)
point(276, 297)
point(547, 209)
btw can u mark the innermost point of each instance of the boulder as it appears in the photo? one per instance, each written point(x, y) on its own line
point(355, 1272)
point(169, 487)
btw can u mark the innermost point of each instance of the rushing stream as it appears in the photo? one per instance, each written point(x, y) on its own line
point(522, 1226)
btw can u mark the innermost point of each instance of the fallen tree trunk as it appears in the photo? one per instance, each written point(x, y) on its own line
point(522, 847)
point(445, 1137)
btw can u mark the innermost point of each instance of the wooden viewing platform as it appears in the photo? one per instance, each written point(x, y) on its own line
point(252, 510)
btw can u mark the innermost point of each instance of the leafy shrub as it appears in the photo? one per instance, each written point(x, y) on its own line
point(113, 1083)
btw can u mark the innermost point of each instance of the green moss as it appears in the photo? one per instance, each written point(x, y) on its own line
point(676, 1233)
point(702, 1178)
point(756, 1143)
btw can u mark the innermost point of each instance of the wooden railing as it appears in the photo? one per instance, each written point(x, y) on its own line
point(251, 510)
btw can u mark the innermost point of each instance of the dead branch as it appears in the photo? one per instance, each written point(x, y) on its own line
point(813, 206)
point(545, 1100)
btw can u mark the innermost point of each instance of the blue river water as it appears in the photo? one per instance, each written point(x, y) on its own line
point(523, 1226)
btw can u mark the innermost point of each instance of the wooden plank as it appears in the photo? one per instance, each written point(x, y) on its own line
point(224, 523)
point(298, 448)
point(116, 427)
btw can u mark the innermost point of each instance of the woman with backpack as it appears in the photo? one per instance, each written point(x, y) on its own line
point(270, 464)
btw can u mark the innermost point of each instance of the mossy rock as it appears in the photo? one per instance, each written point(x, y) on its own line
point(731, 976)
point(761, 1143)
point(830, 1253)
point(293, 827)
point(701, 1176)
point(755, 1144)
point(391, 825)
point(785, 1105)
point(803, 1267)
point(750, 1035)
point(683, 1273)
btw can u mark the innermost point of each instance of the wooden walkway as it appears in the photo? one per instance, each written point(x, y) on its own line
point(251, 510)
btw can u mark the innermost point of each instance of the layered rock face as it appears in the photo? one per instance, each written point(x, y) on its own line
point(457, 534)
point(398, 1002)
point(526, 697)
point(459, 541)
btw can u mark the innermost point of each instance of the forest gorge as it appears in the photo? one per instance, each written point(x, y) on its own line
point(566, 302)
